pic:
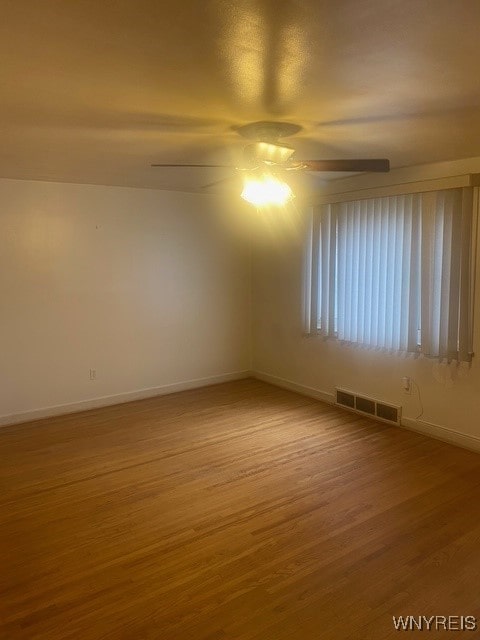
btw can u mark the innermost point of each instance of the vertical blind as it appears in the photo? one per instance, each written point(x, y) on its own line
point(395, 272)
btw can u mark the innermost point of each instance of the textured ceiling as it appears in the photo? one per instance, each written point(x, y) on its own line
point(95, 90)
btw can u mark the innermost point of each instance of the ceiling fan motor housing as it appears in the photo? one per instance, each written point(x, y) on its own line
point(268, 131)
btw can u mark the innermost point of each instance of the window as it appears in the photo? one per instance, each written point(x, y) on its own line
point(395, 272)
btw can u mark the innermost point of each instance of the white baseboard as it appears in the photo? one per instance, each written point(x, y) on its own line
point(294, 386)
point(119, 398)
point(442, 433)
point(420, 426)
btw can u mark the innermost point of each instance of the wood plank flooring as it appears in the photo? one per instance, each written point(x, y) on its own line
point(236, 511)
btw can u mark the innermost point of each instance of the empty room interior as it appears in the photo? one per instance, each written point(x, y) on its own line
point(240, 326)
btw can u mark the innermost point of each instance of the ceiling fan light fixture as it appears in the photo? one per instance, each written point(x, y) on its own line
point(266, 190)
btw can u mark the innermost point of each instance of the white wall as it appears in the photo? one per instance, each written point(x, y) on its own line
point(450, 395)
point(149, 288)
point(152, 289)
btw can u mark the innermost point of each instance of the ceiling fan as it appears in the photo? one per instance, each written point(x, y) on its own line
point(266, 157)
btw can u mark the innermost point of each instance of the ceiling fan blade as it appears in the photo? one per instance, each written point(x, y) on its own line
point(379, 165)
point(208, 166)
point(217, 182)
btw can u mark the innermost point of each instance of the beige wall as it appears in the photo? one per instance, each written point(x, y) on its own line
point(149, 288)
point(450, 394)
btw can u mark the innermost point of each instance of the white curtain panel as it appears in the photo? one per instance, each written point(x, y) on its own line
point(395, 273)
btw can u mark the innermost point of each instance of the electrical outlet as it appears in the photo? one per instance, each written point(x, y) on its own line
point(407, 385)
point(93, 374)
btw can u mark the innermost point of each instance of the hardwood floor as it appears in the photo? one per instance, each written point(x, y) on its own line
point(235, 511)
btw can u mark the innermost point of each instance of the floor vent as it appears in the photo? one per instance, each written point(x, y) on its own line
point(368, 406)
